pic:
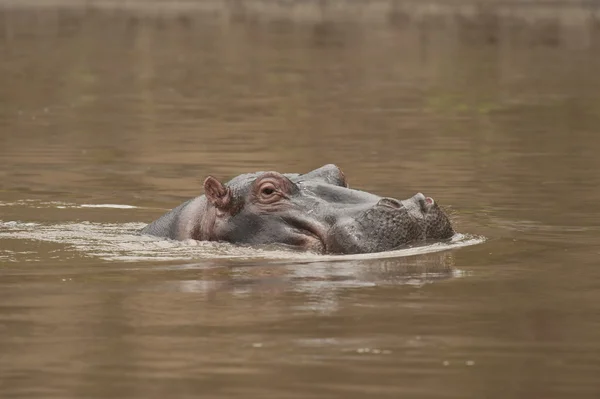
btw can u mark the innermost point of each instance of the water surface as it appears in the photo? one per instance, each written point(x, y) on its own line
point(109, 117)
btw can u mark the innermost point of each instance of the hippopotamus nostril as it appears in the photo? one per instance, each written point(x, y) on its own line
point(390, 203)
point(425, 203)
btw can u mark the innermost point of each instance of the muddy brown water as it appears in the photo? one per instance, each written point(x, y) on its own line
point(109, 117)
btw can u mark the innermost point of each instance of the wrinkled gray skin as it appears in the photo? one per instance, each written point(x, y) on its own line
point(316, 211)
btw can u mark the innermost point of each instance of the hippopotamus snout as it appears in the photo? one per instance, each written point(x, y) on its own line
point(390, 224)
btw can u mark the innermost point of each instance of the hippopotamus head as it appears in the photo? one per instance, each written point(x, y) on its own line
point(316, 211)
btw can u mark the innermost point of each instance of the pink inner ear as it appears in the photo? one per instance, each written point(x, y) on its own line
point(216, 192)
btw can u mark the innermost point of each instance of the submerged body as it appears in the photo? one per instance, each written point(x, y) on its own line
point(315, 211)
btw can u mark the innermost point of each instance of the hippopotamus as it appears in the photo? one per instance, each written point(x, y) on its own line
point(315, 211)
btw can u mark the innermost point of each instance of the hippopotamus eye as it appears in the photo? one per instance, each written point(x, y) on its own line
point(267, 191)
point(272, 187)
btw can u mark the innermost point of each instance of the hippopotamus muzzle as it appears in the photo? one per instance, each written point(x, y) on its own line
point(316, 211)
point(390, 224)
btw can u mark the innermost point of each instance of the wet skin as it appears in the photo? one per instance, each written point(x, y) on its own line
point(315, 211)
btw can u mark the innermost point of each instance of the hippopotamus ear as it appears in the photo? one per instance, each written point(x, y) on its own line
point(330, 174)
point(216, 193)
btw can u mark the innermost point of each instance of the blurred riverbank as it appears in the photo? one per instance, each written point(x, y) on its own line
point(552, 23)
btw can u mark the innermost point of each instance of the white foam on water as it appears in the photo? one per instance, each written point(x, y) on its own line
point(458, 241)
point(37, 204)
point(122, 242)
point(115, 206)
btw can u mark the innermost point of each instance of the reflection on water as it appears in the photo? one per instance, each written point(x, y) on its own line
point(493, 109)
